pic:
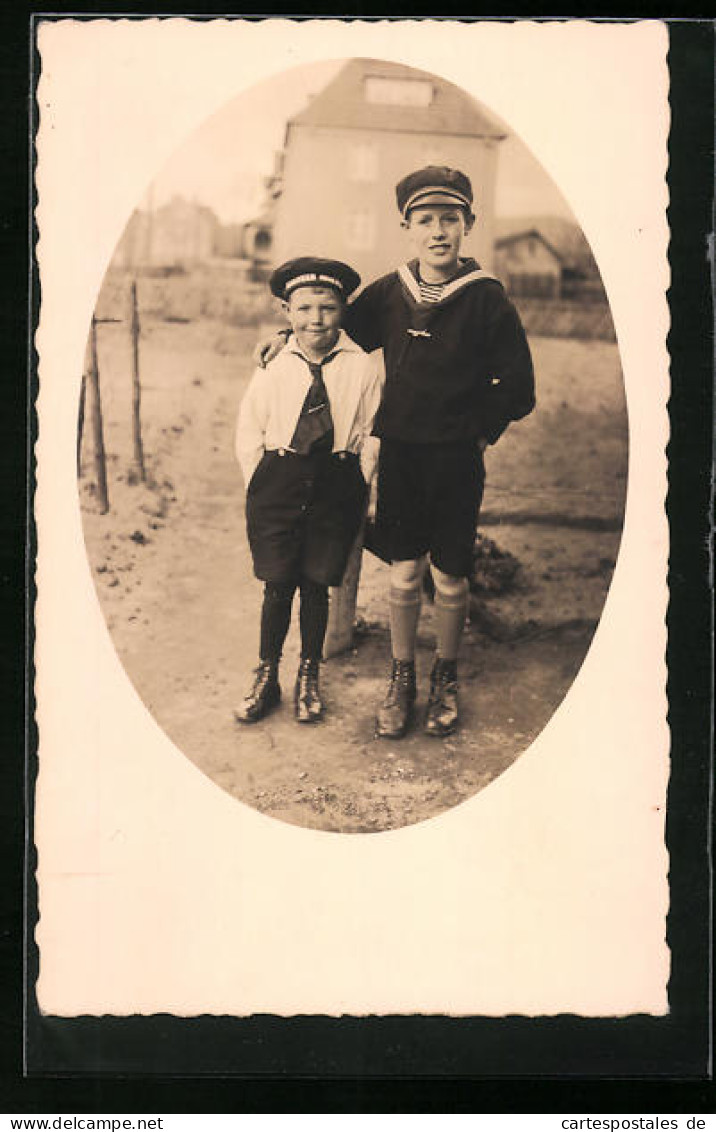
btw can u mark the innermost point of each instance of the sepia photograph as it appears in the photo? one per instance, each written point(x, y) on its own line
point(431, 643)
point(352, 545)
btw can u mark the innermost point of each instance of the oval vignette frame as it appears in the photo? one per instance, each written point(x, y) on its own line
point(169, 557)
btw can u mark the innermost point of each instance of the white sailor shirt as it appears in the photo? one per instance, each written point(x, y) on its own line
point(272, 403)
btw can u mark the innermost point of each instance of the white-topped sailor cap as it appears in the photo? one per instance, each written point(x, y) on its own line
point(311, 271)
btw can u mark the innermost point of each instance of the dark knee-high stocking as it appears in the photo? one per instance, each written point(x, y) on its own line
point(313, 619)
point(275, 618)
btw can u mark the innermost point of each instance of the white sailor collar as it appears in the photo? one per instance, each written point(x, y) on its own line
point(469, 272)
point(344, 344)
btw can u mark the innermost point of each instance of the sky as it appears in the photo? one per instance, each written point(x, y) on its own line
point(224, 162)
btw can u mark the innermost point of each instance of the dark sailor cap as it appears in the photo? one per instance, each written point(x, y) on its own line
point(310, 271)
point(435, 184)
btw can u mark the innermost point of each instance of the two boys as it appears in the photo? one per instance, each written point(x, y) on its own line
point(458, 370)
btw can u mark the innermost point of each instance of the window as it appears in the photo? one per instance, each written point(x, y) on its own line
point(432, 154)
point(398, 92)
point(361, 230)
point(363, 162)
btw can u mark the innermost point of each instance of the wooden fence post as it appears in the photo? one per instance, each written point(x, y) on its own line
point(136, 389)
point(97, 428)
point(342, 610)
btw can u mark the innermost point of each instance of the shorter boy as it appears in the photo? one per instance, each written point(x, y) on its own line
point(303, 442)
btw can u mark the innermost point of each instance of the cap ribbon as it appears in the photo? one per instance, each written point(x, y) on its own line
point(441, 190)
point(312, 277)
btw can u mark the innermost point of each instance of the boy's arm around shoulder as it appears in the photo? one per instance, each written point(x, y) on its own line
point(250, 438)
point(270, 347)
point(511, 372)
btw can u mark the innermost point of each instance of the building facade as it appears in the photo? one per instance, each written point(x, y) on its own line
point(345, 152)
point(179, 234)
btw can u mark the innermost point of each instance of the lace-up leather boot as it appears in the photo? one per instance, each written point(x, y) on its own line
point(442, 717)
point(307, 700)
point(264, 694)
point(397, 708)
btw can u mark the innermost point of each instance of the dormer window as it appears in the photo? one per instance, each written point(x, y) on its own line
point(398, 92)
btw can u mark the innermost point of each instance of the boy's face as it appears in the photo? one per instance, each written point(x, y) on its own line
point(436, 233)
point(315, 316)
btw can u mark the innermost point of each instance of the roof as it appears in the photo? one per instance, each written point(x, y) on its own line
point(531, 234)
point(342, 103)
point(562, 235)
point(179, 204)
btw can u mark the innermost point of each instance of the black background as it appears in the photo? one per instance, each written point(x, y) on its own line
point(633, 1065)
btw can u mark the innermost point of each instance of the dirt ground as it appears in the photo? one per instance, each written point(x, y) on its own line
point(174, 578)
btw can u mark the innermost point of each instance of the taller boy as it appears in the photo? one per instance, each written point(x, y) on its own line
point(458, 370)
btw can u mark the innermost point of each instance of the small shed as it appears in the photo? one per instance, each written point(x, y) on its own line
point(529, 265)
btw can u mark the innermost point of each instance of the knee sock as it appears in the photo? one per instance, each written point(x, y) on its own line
point(313, 619)
point(275, 619)
point(450, 613)
point(404, 617)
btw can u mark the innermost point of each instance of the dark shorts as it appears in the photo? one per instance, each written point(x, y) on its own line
point(303, 514)
point(429, 498)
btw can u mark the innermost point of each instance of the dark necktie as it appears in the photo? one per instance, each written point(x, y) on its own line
point(314, 428)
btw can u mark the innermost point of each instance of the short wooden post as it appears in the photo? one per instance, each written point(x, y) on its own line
point(81, 421)
point(97, 427)
point(342, 610)
point(136, 389)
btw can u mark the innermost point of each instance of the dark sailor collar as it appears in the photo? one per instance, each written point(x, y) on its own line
point(468, 273)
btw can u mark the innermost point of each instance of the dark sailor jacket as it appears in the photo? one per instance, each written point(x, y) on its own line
point(456, 370)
